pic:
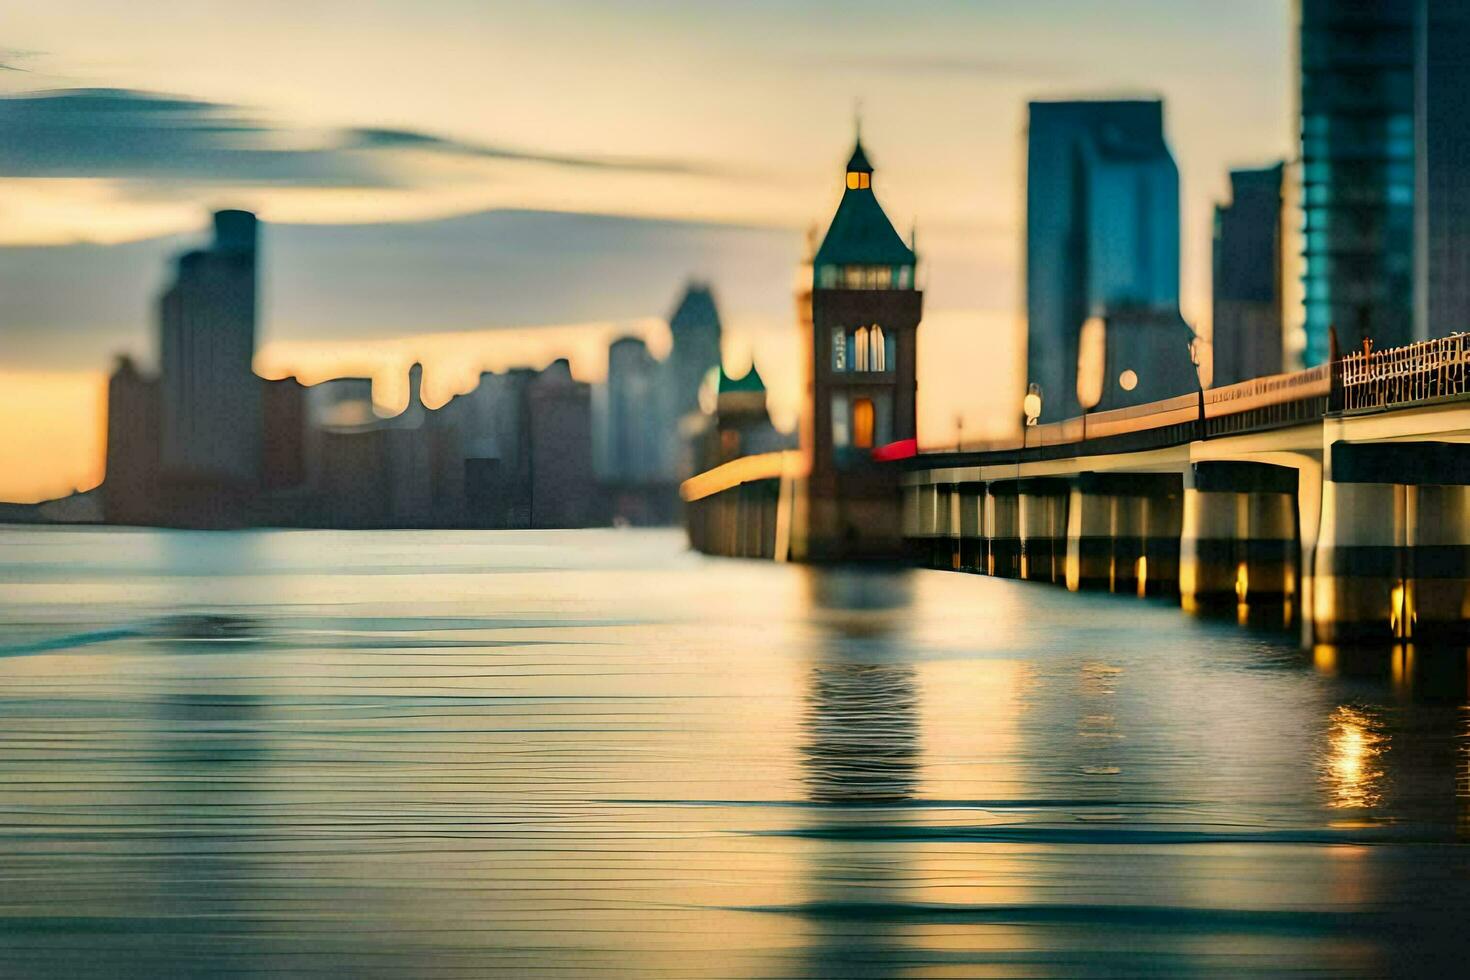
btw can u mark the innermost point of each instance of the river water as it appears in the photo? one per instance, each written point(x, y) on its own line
point(596, 754)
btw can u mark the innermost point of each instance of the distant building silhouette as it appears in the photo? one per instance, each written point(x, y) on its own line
point(132, 490)
point(283, 444)
point(1247, 286)
point(1102, 230)
point(210, 444)
point(563, 486)
point(738, 421)
point(695, 328)
point(211, 398)
point(495, 441)
point(637, 436)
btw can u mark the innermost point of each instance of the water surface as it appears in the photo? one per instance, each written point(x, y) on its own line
point(595, 754)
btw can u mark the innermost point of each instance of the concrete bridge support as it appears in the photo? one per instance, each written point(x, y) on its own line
point(1002, 523)
point(1041, 516)
point(1123, 532)
point(925, 520)
point(738, 523)
point(969, 524)
point(1240, 542)
point(1393, 558)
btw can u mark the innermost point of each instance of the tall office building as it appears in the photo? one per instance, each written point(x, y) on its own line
point(1442, 171)
point(1102, 231)
point(1357, 172)
point(211, 398)
point(559, 414)
point(1248, 277)
point(130, 495)
point(695, 327)
point(634, 431)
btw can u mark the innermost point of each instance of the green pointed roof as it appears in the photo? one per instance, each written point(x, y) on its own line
point(860, 233)
point(750, 381)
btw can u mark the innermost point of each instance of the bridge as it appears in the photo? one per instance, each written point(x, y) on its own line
point(1336, 497)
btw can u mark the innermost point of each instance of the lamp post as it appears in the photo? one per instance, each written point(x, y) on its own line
point(1031, 409)
point(1195, 340)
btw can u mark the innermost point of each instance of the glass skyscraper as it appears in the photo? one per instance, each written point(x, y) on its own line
point(1102, 233)
point(1357, 60)
point(1442, 201)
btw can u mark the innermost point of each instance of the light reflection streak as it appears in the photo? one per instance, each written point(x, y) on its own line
point(1352, 772)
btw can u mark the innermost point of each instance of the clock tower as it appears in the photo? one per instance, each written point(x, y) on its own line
point(861, 320)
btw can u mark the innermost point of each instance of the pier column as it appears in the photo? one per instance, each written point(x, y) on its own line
point(945, 553)
point(1393, 558)
point(1123, 532)
point(1042, 519)
point(1438, 589)
point(925, 513)
point(970, 526)
point(1240, 540)
point(1003, 530)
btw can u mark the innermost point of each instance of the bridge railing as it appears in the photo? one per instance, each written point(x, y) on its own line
point(1419, 372)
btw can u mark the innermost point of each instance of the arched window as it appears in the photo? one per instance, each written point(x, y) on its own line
point(877, 355)
point(860, 349)
point(862, 423)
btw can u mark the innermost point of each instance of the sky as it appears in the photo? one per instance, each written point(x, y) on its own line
point(481, 183)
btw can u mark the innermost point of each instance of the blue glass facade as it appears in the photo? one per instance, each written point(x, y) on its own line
point(1358, 172)
point(1102, 230)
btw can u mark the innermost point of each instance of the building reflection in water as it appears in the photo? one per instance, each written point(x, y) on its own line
point(861, 719)
point(860, 762)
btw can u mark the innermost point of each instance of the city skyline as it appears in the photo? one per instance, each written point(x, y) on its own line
point(942, 93)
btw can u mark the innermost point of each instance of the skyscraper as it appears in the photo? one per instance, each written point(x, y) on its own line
point(635, 432)
point(695, 327)
point(1102, 230)
point(1357, 172)
point(130, 495)
point(211, 398)
point(1248, 277)
point(559, 413)
point(1442, 172)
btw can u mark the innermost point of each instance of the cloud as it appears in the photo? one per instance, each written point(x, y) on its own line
point(409, 139)
point(145, 136)
point(9, 57)
point(121, 133)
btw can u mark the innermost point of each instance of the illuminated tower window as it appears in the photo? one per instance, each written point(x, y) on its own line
point(877, 355)
point(860, 349)
point(862, 423)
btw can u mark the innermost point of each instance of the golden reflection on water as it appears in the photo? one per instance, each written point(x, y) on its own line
point(1352, 772)
point(552, 755)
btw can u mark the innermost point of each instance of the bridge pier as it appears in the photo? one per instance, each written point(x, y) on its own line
point(970, 526)
point(1240, 541)
point(1041, 516)
point(1393, 559)
point(1002, 528)
point(1123, 532)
